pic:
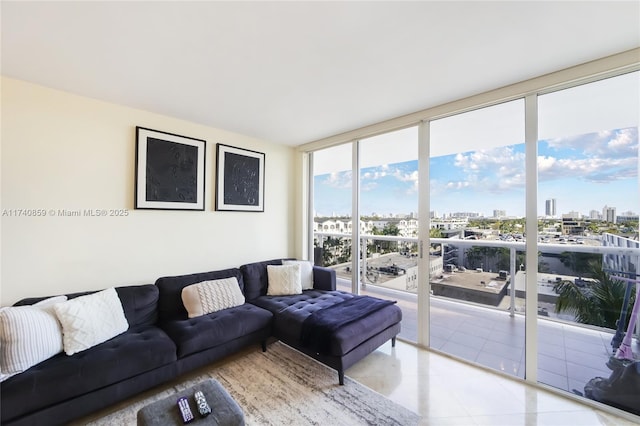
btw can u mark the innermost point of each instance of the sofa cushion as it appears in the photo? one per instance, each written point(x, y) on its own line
point(353, 334)
point(62, 377)
point(28, 336)
point(284, 280)
point(256, 280)
point(170, 306)
point(193, 335)
point(309, 301)
point(324, 278)
point(211, 296)
point(90, 320)
point(291, 311)
point(139, 302)
point(306, 272)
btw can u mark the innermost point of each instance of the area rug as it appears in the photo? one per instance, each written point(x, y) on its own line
point(280, 387)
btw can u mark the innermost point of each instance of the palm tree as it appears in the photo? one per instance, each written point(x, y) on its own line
point(596, 302)
point(582, 264)
point(474, 257)
point(435, 233)
point(504, 259)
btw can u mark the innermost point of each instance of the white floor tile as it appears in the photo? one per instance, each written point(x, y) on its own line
point(568, 357)
point(445, 391)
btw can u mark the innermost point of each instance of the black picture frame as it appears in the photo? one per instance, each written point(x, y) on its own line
point(170, 171)
point(240, 179)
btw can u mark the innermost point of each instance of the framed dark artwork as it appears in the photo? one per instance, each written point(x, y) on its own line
point(240, 179)
point(169, 171)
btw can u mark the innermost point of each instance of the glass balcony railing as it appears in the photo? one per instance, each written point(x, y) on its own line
point(483, 265)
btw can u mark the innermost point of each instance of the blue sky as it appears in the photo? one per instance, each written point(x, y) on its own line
point(582, 173)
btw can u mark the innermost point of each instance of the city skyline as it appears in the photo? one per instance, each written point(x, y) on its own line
point(602, 165)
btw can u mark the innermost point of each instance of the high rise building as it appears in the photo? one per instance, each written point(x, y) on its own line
point(609, 214)
point(550, 207)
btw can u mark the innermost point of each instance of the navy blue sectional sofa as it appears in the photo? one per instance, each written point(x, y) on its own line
point(162, 343)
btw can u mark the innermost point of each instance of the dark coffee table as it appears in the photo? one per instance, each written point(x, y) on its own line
point(224, 410)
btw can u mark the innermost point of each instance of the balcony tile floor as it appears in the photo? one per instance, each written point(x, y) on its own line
point(568, 356)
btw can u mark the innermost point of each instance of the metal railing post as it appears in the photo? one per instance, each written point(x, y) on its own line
point(512, 279)
point(363, 272)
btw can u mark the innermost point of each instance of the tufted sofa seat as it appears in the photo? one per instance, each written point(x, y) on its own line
point(290, 311)
point(210, 337)
point(219, 328)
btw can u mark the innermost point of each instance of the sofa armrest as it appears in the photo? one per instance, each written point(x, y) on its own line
point(324, 278)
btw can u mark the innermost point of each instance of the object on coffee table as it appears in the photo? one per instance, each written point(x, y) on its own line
point(185, 410)
point(224, 410)
point(201, 402)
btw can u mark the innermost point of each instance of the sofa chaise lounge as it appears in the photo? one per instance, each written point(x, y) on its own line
point(345, 346)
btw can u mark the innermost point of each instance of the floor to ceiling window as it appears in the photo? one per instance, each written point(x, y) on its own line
point(588, 198)
point(332, 208)
point(477, 200)
point(575, 189)
point(389, 221)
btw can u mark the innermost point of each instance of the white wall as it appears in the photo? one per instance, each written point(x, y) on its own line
point(61, 151)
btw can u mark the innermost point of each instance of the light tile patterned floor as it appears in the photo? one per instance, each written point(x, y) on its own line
point(449, 392)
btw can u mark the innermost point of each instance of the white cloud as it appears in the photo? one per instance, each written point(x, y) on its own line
point(597, 170)
point(406, 177)
point(600, 157)
point(490, 160)
point(368, 178)
point(622, 143)
point(493, 170)
point(595, 157)
point(411, 178)
point(458, 185)
point(339, 180)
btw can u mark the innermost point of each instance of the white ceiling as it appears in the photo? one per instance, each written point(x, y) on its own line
point(294, 72)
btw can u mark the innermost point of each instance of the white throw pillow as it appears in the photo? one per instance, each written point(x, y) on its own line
point(211, 296)
point(90, 320)
point(28, 335)
point(306, 272)
point(284, 280)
